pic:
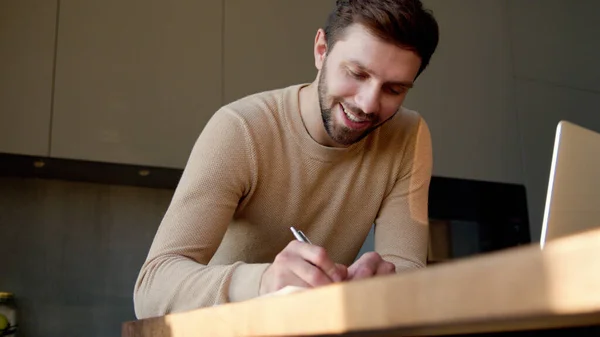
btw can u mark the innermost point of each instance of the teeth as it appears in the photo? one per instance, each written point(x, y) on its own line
point(350, 116)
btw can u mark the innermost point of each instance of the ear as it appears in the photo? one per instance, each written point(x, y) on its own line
point(320, 50)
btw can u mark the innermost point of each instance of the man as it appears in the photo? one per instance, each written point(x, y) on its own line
point(330, 158)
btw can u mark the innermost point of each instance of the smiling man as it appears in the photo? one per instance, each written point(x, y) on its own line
point(331, 158)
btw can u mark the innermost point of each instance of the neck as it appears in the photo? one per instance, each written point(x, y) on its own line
point(310, 111)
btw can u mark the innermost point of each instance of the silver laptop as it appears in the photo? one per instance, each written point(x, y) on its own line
point(573, 197)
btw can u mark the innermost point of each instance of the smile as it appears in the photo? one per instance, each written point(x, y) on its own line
point(351, 116)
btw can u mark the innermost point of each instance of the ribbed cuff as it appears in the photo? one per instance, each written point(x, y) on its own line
point(245, 281)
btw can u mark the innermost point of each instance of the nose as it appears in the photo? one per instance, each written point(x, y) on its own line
point(368, 99)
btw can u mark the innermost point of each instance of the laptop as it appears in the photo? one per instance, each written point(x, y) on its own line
point(573, 196)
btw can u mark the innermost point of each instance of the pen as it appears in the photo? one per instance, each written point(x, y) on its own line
point(300, 236)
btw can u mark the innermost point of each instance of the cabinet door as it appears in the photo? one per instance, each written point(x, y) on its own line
point(269, 43)
point(27, 38)
point(136, 80)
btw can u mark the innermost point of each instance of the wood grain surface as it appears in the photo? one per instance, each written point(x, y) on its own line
point(516, 289)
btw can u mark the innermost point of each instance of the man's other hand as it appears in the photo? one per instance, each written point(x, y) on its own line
point(303, 265)
point(368, 265)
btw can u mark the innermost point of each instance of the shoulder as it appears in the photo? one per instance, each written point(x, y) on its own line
point(262, 117)
point(260, 107)
point(405, 141)
point(407, 127)
point(404, 146)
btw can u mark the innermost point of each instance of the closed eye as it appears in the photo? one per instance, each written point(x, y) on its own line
point(397, 91)
point(357, 75)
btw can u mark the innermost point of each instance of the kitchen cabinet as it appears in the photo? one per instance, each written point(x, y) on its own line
point(136, 80)
point(554, 45)
point(269, 43)
point(27, 38)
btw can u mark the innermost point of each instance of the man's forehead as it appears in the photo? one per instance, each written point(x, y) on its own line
point(358, 47)
point(360, 41)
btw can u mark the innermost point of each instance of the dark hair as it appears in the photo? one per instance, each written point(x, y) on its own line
point(404, 23)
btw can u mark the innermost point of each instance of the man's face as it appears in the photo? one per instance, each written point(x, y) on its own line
point(362, 83)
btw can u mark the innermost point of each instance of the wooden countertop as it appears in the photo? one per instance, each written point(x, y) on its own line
point(515, 289)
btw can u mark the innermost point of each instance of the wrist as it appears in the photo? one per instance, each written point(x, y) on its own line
point(262, 288)
point(245, 281)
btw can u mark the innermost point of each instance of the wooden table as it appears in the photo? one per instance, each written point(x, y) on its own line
point(512, 290)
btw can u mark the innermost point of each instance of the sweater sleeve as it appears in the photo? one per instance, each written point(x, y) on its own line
point(402, 225)
point(176, 275)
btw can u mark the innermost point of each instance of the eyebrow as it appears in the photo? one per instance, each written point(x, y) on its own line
point(367, 70)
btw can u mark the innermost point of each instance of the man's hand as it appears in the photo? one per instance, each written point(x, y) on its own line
point(368, 265)
point(303, 265)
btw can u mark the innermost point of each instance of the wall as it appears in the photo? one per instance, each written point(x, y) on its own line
point(72, 251)
point(556, 76)
point(505, 73)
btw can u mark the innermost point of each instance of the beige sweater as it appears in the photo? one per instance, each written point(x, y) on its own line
point(254, 172)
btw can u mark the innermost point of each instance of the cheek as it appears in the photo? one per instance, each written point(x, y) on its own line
point(389, 107)
point(340, 86)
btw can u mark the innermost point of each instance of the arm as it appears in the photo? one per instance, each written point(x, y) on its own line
point(176, 276)
point(402, 226)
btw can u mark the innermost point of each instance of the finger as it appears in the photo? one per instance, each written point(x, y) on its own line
point(370, 259)
point(343, 270)
point(385, 268)
point(309, 273)
point(363, 271)
point(366, 266)
point(318, 256)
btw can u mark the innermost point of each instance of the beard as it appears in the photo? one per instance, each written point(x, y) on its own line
point(337, 131)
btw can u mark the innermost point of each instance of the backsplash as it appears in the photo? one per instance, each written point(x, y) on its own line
point(71, 252)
